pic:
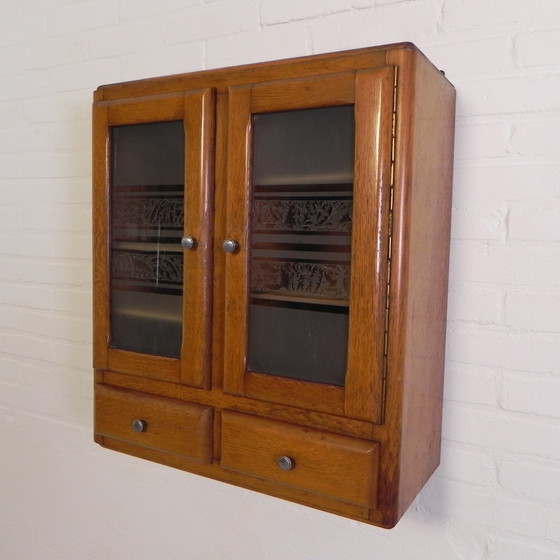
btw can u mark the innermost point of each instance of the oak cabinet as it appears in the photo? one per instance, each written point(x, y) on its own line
point(270, 274)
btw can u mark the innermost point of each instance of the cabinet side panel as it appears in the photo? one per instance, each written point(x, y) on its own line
point(426, 276)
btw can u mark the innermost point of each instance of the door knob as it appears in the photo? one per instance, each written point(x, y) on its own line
point(230, 245)
point(188, 242)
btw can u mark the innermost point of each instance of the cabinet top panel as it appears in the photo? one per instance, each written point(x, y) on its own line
point(351, 60)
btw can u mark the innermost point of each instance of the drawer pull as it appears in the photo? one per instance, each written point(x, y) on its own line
point(139, 425)
point(286, 463)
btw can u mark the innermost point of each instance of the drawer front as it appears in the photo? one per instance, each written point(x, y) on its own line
point(341, 467)
point(155, 422)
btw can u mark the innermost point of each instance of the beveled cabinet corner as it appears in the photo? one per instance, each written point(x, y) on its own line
point(271, 248)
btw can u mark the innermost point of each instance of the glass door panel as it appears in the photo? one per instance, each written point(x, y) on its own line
point(147, 216)
point(300, 243)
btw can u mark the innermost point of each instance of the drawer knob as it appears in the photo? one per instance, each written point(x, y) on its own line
point(188, 242)
point(286, 463)
point(230, 245)
point(139, 425)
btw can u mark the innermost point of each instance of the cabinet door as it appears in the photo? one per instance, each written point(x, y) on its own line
point(152, 236)
point(309, 185)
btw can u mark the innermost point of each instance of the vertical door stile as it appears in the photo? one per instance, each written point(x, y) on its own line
point(237, 228)
point(199, 125)
point(100, 248)
point(368, 299)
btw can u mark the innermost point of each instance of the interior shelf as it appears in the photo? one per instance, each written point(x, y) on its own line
point(300, 299)
point(152, 314)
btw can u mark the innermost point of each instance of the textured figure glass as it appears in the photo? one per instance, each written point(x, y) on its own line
point(301, 229)
point(147, 215)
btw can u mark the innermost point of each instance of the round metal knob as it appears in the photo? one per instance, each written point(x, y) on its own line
point(230, 245)
point(139, 425)
point(285, 463)
point(188, 242)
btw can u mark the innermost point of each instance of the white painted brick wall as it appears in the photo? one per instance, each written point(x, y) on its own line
point(496, 495)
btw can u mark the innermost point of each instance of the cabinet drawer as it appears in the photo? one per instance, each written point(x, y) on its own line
point(155, 422)
point(341, 467)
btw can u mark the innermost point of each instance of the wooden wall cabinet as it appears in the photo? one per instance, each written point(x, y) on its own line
point(270, 275)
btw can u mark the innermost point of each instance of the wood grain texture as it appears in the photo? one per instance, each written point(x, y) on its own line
point(308, 93)
point(220, 400)
point(345, 468)
point(237, 228)
point(224, 78)
point(305, 394)
point(219, 234)
point(171, 425)
point(154, 367)
point(199, 215)
point(145, 110)
point(428, 185)
point(370, 234)
point(100, 223)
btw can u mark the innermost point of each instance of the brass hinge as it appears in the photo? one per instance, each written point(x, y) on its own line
point(389, 246)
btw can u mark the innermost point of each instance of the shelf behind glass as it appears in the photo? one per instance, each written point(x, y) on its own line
point(147, 223)
point(300, 239)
